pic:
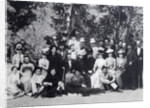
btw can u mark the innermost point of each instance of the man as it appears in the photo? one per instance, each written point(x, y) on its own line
point(107, 80)
point(52, 84)
point(139, 67)
point(88, 65)
point(131, 68)
point(76, 84)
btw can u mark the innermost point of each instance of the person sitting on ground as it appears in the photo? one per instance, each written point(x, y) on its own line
point(107, 81)
point(52, 84)
point(36, 82)
point(75, 84)
point(13, 90)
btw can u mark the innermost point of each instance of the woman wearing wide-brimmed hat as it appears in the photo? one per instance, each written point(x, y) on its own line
point(110, 61)
point(99, 63)
point(120, 67)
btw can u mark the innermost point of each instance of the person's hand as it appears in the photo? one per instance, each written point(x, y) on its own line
point(140, 58)
point(130, 63)
point(83, 85)
point(90, 71)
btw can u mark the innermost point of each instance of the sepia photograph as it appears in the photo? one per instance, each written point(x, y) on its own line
point(71, 53)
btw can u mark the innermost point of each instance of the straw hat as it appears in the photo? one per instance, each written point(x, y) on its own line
point(121, 51)
point(82, 39)
point(110, 51)
point(92, 40)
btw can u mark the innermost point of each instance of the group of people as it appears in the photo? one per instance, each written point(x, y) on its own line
point(76, 66)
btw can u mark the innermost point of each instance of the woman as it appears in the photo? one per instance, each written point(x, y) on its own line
point(120, 68)
point(13, 91)
point(56, 61)
point(110, 62)
point(27, 69)
point(44, 65)
point(99, 63)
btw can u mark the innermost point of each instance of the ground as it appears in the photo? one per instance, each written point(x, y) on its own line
point(127, 95)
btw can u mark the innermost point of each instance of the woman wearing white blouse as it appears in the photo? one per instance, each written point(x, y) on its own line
point(110, 62)
point(44, 64)
point(99, 63)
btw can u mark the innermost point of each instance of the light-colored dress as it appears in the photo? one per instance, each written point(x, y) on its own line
point(13, 90)
point(111, 64)
point(17, 59)
point(26, 76)
point(95, 81)
point(120, 62)
point(44, 64)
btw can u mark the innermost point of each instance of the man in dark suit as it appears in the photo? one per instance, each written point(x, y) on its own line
point(131, 68)
point(139, 63)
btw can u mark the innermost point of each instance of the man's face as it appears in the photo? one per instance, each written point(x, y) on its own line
point(38, 71)
point(26, 59)
point(104, 70)
point(77, 73)
point(53, 72)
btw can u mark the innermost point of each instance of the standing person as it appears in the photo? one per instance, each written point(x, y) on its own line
point(110, 61)
point(17, 59)
point(131, 68)
point(44, 64)
point(94, 47)
point(13, 91)
point(139, 67)
point(99, 63)
point(88, 65)
point(120, 68)
point(27, 69)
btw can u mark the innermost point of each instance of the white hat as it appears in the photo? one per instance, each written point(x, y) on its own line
point(121, 51)
point(101, 48)
point(92, 40)
point(109, 51)
point(82, 39)
point(81, 52)
point(54, 37)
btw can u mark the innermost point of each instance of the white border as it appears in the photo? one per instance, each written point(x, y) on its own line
point(143, 3)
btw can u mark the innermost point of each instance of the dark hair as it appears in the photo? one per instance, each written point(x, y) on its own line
point(13, 68)
point(38, 68)
point(53, 47)
point(104, 67)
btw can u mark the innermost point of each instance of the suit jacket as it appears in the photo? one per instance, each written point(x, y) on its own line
point(131, 56)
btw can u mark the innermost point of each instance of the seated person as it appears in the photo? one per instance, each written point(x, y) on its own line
point(107, 81)
point(36, 82)
point(52, 85)
point(75, 83)
point(13, 90)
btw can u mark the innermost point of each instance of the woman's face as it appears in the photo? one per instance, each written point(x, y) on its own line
point(110, 54)
point(121, 55)
point(100, 56)
point(14, 70)
point(54, 49)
